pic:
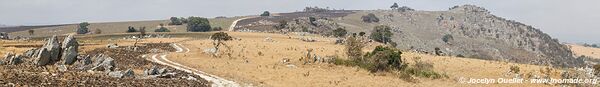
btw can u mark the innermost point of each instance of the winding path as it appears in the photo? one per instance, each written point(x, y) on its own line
point(217, 81)
point(232, 26)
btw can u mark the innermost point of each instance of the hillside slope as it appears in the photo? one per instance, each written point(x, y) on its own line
point(475, 33)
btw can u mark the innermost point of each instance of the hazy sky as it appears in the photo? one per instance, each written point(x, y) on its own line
point(567, 20)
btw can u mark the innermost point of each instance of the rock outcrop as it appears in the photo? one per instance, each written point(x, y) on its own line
point(476, 33)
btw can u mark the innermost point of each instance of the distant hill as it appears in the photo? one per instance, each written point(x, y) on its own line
point(475, 34)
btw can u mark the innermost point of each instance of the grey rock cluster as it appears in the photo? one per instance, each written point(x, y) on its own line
point(156, 72)
point(121, 74)
point(53, 51)
point(318, 25)
point(11, 59)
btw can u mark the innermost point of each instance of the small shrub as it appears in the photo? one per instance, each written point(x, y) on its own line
point(97, 31)
point(131, 29)
point(266, 13)
point(175, 21)
point(361, 34)
point(354, 48)
point(514, 69)
point(385, 58)
point(142, 31)
point(282, 24)
point(339, 32)
point(447, 38)
point(83, 29)
point(31, 31)
point(370, 18)
point(162, 29)
point(597, 69)
point(394, 6)
point(217, 29)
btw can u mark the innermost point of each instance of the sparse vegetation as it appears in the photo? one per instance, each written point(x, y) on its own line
point(266, 13)
point(394, 6)
point(339, 32)
point(175, 21)
point(591, 45)
point(217, 29)
point(354, 48)
point(282, 24)
point(131, 29)
point(515, 69)
point(447, 38)
point(370, 18)
point(83, 29)
point(162, 29)
point(596, 69)
point(142, 31)
point(31, 31)
point(381, 33)
point(97, 31)
point(198, 24)
point(361, 34)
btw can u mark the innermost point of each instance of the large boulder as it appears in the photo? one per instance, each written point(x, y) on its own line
point(70, 41)
point(42, 57)
point(12, 59)
point(53, 47)
point(31, 53)
point(70, 55)
point(104, 63)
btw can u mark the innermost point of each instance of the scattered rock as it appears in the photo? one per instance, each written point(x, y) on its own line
point(121, 74)
point(339, 41)
point(70, 41)
point(70, 55)
point(85, 60)
point(104, 63)
point(62, 68)
point(151, 71)
point(112, 46)
point(53, 48)
point(12, 59)
point(30, 53)
point(210, 50)
point(42, 57)
point(269, 39)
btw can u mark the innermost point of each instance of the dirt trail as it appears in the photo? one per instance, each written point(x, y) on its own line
point(232, 26)
point(217, 81)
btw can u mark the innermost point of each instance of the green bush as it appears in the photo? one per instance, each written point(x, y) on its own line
point(385, 58)
point(198, 24)
point(266, 13)
point(162, 29)
point(382, 33)
point(339, 32)
point(175, 21)
point(131, 29)
point(83, 29)
point(447, 38)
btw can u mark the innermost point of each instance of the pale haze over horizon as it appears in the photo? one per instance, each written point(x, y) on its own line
point(571, 21)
